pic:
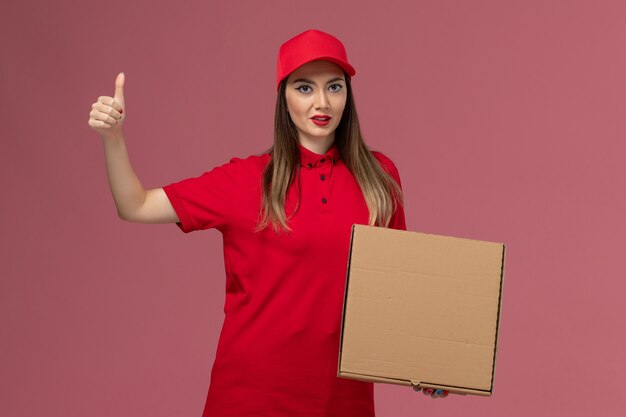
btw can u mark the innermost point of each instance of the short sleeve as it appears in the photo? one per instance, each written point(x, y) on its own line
point(398, 220)
point(206, 201)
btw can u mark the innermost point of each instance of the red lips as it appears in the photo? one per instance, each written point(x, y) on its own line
point(321, 119)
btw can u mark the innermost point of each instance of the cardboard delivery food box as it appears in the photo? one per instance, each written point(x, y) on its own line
point(421, 310)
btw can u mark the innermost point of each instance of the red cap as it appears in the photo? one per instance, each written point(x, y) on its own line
point(309, 46)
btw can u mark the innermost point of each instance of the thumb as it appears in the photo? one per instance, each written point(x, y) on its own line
point(119, 89)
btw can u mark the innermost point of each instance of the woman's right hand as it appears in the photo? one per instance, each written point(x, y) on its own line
point(108, 113)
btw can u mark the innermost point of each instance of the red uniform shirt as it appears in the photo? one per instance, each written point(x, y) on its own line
point(279, 345)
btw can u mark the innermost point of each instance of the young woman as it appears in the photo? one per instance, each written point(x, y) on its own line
point(286, 217)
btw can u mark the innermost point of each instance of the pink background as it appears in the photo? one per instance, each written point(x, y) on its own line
point(506, 120)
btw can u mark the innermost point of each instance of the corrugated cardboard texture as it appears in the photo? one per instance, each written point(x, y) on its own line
point(421, 308)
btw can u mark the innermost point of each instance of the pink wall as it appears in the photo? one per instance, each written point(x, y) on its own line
point(506, 120)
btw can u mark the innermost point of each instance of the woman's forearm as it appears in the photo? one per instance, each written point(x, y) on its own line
point(128, 192)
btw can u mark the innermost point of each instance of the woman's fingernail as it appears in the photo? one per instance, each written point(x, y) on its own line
point(445, 393)
point(429, 391)
point(439, 391)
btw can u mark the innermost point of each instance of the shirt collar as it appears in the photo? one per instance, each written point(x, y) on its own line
point(310, 159)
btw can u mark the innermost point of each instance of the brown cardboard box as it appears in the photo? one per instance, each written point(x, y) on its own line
point(421, 310)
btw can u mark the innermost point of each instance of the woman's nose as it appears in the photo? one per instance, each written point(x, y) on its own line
point(321, 101)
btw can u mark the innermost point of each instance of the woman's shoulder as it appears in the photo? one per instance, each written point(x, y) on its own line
point(386, 162)
point(237, 170)
point(242, 166)
point(252, 162)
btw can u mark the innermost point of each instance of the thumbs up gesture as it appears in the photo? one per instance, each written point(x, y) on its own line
point(108, 113)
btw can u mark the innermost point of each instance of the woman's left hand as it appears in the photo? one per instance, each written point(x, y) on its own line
point(433, 393)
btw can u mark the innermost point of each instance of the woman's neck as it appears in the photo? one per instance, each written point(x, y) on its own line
point(320, 146)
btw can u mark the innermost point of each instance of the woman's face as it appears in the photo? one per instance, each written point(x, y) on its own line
point(316, 96)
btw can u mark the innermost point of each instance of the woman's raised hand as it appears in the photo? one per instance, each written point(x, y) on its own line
point(108, 113)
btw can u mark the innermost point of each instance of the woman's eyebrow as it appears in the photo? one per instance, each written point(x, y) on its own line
point(306, 80)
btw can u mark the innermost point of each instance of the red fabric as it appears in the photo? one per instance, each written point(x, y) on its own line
point(308, 46)
point(279, 346)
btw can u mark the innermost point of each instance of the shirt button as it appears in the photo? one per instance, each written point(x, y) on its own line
point(309, 166)
point(322, 177)
point(324, 200)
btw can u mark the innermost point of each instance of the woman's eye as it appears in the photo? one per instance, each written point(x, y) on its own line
point(335, 87)
point(304, 87)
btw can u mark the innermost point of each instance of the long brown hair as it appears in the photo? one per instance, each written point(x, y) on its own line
point(380, 190)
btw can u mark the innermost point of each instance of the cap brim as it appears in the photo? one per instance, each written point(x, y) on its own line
point(349, 69)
